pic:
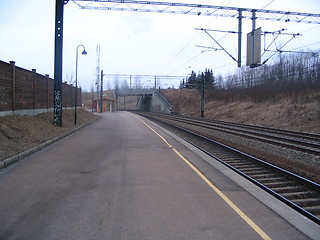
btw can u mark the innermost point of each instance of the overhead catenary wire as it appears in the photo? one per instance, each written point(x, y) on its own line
point(298, 17)
point(187, 62)
point(247, 20)
point(190, 41)
point(197, 9)
point(227, 33)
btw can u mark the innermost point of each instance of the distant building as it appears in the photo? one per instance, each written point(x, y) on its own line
point(108, 104)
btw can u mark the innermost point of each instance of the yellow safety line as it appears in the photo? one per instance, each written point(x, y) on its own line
point(254, 226)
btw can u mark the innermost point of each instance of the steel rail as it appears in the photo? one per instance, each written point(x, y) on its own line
point(275, 140)
point(304, 135)
point(298, 145)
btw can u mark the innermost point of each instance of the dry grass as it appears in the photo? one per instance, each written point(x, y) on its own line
point(19, 133)
point(299, 113)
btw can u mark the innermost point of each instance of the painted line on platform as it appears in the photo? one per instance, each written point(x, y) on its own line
point(254, 226)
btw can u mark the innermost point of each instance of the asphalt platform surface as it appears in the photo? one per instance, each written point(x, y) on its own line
point(123, 177)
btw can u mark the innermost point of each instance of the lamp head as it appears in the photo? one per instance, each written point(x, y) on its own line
point(84, 52)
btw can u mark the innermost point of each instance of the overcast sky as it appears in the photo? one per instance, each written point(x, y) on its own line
point(138, 43)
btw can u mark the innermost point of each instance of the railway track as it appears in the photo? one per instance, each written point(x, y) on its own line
point(302, 142)
point(300, 193)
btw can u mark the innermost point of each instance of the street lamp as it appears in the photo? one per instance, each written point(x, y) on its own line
point(76, 96)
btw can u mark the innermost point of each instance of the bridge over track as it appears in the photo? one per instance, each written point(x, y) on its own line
point(149, 99)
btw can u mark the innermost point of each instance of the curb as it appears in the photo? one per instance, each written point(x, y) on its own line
point(8, 161)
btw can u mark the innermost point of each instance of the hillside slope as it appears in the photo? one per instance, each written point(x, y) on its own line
point(301, 113)
point(19, 133)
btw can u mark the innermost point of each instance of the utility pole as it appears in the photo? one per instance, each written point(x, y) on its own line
point(253, 30)
point(92, 92)
point(202, 97)
point(101, 91)
point(239, 37)
point(58, 49)
point(98, 68)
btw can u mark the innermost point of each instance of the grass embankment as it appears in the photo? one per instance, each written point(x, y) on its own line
point(19, 133)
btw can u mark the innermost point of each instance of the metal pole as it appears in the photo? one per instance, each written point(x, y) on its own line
point(202, 98)
point(253, 29)
point(76, 95)
point(34, 71)
point(58, 62)
point(92, 99)
point(76, 91)
point(48, 96)
point(253, 20)
point(101, 91)
point(239, 37)
point(13, 85)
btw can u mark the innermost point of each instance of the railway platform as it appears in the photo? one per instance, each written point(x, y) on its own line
point(124, 177)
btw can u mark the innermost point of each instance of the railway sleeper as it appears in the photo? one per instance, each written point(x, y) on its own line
point(251, 172)
point(264, 175)
point(308, 202)
point(287, 189)
point(315, 210)
point(233, 163)
point(250, 168)
point(246, 167)
point(225, 156)
point(270, 180)
point(280, 184)
point(299, 195)
point(239, 164)
point(233, 160)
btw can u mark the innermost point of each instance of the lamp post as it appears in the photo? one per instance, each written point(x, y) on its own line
point(76, 91)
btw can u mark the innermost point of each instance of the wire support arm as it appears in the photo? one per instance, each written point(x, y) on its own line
point(279, 49)
point(221, 47)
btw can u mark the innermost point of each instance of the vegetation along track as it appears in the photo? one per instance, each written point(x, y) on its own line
point(298, 192)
